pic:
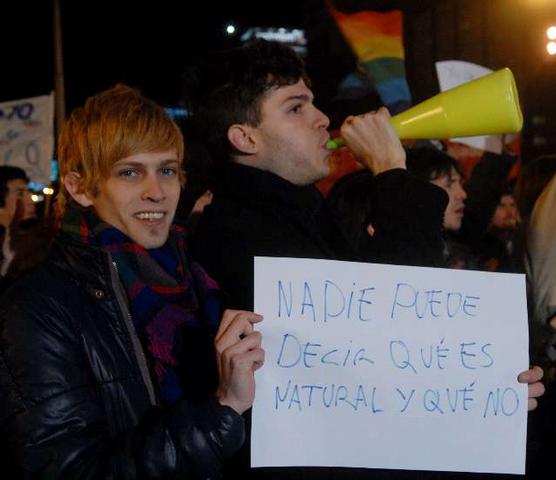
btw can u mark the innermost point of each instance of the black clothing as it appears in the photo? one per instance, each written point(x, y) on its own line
point(458, 255)
point(30, 240)
point(76, 397)
point(258, 213)
point(407, 217)
point(485, 188)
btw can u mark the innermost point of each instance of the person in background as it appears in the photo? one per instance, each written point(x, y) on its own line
point(13, 188)
point(490, 220)
point(499, 238)
point(196, 193)
point(506, 216)
point(535, 250)
point(25, 239)
point(267, 140)
point(540, 258)
point(535, 194)
point(115, 361)
point(433, 165)
point(430, 164)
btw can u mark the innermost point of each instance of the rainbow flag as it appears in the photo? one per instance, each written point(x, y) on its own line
point(376, 40)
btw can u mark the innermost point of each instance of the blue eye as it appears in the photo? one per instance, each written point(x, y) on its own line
point(128, 172)
point(169, 171)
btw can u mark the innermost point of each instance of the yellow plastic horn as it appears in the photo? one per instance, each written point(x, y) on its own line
point(486, 106)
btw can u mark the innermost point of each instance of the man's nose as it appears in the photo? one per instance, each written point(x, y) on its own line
point(322, 120)
point(153, 189)
point(462, 194)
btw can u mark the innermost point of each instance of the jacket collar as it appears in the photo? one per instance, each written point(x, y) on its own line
point(303, 206)
point(84, 263)
point(265, 188)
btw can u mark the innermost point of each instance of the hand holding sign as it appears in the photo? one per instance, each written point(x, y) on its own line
point(238, 354)
point(535, 388)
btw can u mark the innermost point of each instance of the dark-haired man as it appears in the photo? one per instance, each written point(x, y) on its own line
point(432, 165)
point(267, 139)
point(255, 112)
point(13, 187)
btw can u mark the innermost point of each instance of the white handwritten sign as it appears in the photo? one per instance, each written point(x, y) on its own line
point(26, 136)
point(386, 366)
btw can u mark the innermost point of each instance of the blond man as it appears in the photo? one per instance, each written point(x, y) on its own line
point(107, 365)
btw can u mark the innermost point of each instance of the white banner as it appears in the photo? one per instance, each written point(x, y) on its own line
point(26, 136)
point(383, 366)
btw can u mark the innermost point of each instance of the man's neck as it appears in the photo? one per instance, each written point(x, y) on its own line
point(5, 218)
point(251, 161)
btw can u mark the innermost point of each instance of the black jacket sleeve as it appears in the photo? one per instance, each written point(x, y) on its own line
point(56, 421)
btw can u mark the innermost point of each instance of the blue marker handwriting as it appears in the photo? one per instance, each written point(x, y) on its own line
point(402, 355)
point(325, 302)
point(300, 397)
point(294, 352)
point(439, 355)
point(432, 303)
point(21, 111)
point(329, 301)
point(462, 400)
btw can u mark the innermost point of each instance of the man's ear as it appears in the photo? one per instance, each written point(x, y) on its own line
point(73, 184)
point(242, 138)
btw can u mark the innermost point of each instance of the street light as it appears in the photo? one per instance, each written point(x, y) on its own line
point(551, 32)
point(551, 48)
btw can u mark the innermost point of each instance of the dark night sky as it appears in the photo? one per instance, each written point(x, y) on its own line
point(150, 44)
point(146, 44)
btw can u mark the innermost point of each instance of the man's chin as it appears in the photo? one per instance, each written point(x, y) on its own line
point(324, 173)
point(150, 243)
point(453, 228)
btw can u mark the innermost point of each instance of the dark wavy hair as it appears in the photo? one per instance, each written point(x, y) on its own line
point(229, 87)
point(429, 163)
point(8, 173)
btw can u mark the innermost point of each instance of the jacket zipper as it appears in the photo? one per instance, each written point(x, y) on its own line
point(136, 344)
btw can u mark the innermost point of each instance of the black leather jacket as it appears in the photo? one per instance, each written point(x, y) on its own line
point(76, 397)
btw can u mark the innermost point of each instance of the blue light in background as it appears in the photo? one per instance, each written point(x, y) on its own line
point(177, 113)
point(53, 170)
